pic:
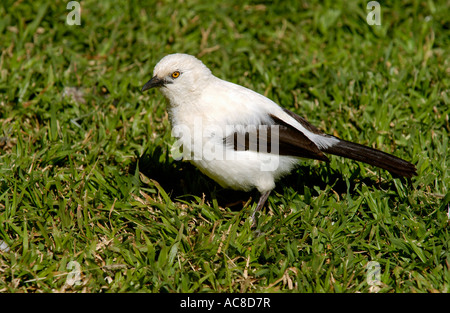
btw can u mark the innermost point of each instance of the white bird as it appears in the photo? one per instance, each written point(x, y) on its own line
point(242, 139)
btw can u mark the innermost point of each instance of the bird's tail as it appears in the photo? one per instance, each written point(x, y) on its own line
point(357, 152)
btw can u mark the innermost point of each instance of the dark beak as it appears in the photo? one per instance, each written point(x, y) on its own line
point(154, 82)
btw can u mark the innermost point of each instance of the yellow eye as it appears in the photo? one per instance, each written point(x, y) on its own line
point(175, 74)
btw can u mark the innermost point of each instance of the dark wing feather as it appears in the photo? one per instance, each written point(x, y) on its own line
point(291, 141)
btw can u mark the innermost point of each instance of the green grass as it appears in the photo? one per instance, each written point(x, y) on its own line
point(89, 178)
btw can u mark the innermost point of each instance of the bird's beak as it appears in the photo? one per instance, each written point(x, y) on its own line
point(154, 82)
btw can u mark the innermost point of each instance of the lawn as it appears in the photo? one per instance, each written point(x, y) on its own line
point(92, 201)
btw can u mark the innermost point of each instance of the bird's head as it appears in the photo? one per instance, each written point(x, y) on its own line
point(178, 74)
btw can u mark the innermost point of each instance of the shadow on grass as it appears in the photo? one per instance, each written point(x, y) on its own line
point(182, 180)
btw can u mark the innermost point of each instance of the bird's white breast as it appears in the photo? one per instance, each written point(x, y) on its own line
point(202, 122)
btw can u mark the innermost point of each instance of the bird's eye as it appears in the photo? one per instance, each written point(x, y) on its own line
point(175, 74)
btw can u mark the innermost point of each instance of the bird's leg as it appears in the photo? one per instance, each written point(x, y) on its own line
point(261, 202)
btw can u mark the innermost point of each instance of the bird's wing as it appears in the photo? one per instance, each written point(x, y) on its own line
point(277, 137)
point(256, 118)
point(263, 126)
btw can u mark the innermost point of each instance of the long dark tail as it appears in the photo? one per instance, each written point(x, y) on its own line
point(354, 151)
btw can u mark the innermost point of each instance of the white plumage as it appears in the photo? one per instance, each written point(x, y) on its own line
point(199, 98)
point(206, 111)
